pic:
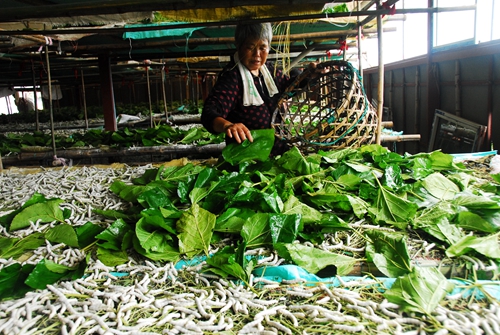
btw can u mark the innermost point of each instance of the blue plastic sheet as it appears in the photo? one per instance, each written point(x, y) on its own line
point(480, 289)
point(473, 155)
point(163, 31)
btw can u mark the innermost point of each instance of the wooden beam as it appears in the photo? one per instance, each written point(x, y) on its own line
point(193, 42)
point(102, 7)
point(181, 149)
point(108, 97)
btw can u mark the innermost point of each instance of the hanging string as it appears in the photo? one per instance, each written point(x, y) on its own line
point(283, 48)
point(339, 25)
point(186, 49)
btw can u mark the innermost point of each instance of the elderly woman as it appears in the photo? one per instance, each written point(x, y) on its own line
point(246, 93)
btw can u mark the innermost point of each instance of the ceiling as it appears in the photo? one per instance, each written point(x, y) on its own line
point(199, 35)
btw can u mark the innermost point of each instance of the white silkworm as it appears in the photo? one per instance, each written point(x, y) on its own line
point(62, 299)
point(229, 304)
point(201, 309)
point(254, 327)
point(270, 311)
point(188, 311)
point(293, 281)
point(279, 327)
point(347, 328)
point(289, 315)
point(6, 325)
point(358, 308)
point(168, 318)
point(411, 321)
point(387, 312)
point(471, 260)
point(266, 260)
point(265, 281)
point(494, 324)
point(221, 293)
point(17, 304)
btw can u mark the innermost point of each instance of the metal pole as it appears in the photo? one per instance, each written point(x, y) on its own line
point(304, 53)
point(380, 96)
point(360, 55)
point(49, 87)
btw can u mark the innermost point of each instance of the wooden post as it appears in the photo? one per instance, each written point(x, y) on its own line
point(433, 99)
point(491, 68)
point(417, 100)
point(180, 87)
point(171, 93)
point(360, 34)
point(37, 121)
point(49, 87)
point(197, 96)
point(84, 102)
point(9, 107)
point(360, 54)
point(403, 105)
point(149, 97)
point(380, 95)
point(164, 93)
point(458, 98)
point(193, 94)
point(108, 99)
point(391, 93)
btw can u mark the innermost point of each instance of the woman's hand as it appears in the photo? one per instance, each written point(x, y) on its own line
point(238, 131)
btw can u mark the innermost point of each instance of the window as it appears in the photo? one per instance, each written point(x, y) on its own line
point(452, 28)
point(409, 39)
point(488, 27)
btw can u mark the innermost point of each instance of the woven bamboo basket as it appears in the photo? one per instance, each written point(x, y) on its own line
point(326, 108)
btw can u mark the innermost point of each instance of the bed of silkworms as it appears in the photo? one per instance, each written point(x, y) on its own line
point(146, 297)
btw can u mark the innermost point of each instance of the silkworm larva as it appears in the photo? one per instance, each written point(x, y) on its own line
point(387, 312)
point(352, 329)
point(270, 311)
point(373, 318)
point(251, 303)
point(358, 308)
point(279, 326)
point(201, 309)
point(228, 305)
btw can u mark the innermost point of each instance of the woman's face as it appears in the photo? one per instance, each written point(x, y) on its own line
point(253, 54)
